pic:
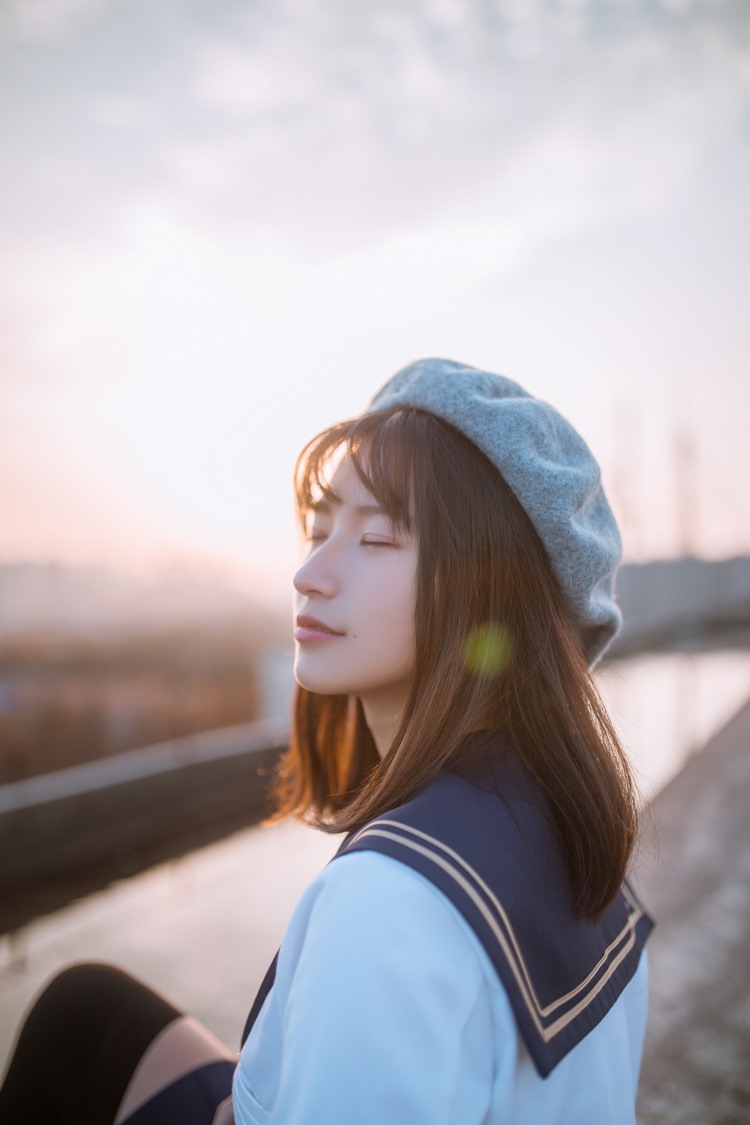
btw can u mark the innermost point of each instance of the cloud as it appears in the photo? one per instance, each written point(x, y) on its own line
point(122, 112)
point(203, 208)
point(42, 20)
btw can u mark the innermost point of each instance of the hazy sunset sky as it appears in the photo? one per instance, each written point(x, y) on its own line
point(225, 225)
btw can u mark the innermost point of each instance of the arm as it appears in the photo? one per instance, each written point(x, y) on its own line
point(386, 1013)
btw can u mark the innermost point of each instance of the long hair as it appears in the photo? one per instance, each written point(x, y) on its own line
point(496, 646)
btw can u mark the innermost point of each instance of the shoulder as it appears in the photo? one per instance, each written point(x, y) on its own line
point(373, 924)
point(374, 898)
point(495, 857)
point(378, 975)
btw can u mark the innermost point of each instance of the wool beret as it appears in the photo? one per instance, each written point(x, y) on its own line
point(548, 466)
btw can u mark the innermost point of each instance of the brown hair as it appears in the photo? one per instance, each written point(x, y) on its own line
point(496, 646)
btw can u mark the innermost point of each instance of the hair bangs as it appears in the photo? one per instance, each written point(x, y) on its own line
point(382, 448)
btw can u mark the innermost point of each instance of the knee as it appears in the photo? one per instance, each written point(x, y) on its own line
point(83, 999)
point(69, 1013)
point(91, 1019)
point(84, 974)
point(82, 979)
point(98, 989)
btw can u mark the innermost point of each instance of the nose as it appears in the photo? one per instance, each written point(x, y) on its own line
point(316, 576)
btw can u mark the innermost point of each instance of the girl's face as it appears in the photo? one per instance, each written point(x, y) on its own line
point(355, 601)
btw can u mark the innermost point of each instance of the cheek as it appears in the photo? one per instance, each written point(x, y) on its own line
point(397, 607)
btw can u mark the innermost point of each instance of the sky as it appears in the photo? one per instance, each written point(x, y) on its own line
point(225, 226)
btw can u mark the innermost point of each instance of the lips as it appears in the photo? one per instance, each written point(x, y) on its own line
point(310, 628)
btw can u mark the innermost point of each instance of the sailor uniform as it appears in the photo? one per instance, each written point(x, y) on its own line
point(436, 972)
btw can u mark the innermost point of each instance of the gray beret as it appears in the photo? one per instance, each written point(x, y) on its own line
point(548, 466)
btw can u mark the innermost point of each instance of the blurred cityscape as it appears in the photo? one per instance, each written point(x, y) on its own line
point(93, 664)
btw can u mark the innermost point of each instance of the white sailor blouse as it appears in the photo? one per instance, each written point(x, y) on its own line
point(435, 973)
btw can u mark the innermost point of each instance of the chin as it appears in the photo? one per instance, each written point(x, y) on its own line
point(321, 685)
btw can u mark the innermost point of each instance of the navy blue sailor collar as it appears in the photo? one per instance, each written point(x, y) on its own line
point(483, 837)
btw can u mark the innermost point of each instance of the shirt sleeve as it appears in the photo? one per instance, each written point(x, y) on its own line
point(386, 1013)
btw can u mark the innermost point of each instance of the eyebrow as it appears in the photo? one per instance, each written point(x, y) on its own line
point(361, 509)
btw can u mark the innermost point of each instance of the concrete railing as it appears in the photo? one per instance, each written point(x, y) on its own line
point(56, 823)
point(662, 601)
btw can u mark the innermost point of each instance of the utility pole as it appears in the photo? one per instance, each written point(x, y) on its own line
point(626, 474)
point(686, 499)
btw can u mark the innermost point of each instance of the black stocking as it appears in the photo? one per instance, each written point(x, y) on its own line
point(79, 1047)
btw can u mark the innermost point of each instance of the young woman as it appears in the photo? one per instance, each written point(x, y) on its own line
point(474, 952)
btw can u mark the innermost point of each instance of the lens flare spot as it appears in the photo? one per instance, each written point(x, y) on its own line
point(488, 649)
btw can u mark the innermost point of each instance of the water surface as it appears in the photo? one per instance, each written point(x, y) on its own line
point(666, 706)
